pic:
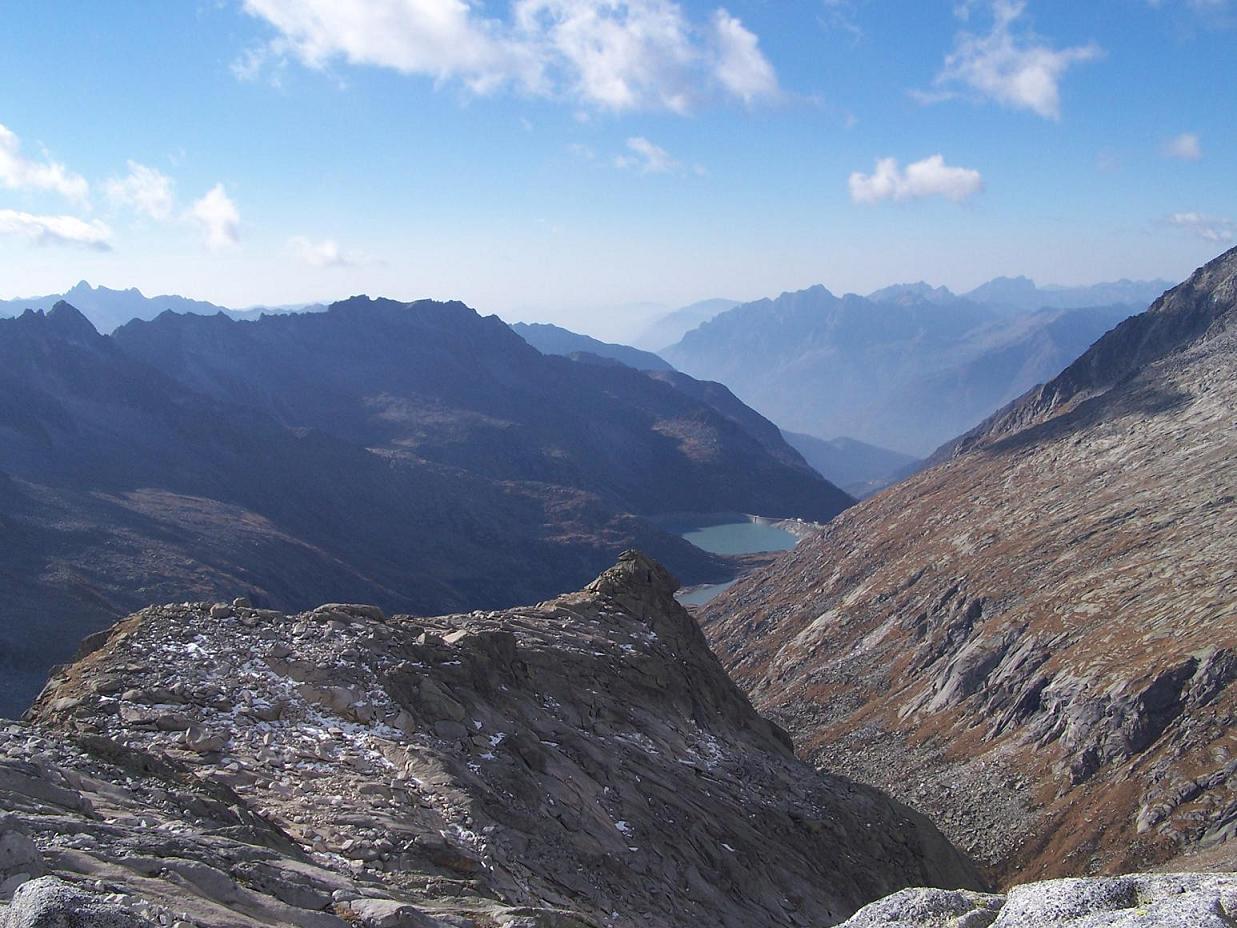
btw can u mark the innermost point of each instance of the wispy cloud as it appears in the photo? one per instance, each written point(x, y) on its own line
point(741, 67)
point(146, 190)
point(1209, 228)
point(218, 218)
point(325, 253)
point(1184, 147)
point(18, 172)
point(1008, 64)
point(931, 177)
point(56, 230)
point(646, 157)
point(606, 54)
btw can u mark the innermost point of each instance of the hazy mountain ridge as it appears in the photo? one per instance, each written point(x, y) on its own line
point(1033, 640)
point(109, 309)
point(553, 339)
point(907, 371)
point(858, 468)
point(674, 325)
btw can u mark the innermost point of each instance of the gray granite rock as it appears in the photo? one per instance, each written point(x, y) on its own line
point(49, 902)
point(1169, 900)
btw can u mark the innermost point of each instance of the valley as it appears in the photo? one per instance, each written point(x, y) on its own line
point(618, 464)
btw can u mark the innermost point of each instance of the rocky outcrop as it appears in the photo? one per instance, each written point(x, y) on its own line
point(1034, 641)
point(1187, 900)
point(581, 763)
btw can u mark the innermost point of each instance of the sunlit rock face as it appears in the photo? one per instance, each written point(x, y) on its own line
point(582, 762)
point(1034, 641)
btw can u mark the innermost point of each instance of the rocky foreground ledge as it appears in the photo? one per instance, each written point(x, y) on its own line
point(1176, 900)
point(583, 762)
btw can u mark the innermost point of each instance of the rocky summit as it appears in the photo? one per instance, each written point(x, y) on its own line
point(1034, 641)
point(582, 762)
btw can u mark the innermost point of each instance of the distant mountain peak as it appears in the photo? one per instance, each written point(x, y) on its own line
point(920, 291)
point(65, 321)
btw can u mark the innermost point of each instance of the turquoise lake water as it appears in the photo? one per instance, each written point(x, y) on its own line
point(741, 538)
point(726, 535)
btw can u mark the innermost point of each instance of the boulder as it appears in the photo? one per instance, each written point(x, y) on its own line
point(49, 902)
point(1171, 900)
point(930, 908)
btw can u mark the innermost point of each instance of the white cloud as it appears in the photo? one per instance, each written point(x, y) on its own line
point(582, 151)
point(56, 230)
point(325, 253)
point(741, 67)
point(931, 177)
point(610, 54)
point(1012, 66)
point(1210, 228)
point(1185, 147)
point(145, 189)
point(217, 215)
point(17, 172)
point(646, 157)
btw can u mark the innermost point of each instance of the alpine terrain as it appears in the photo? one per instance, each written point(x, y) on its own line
point(1034, 641)
point(415, 455)
point(581, 763)
point(907, 367)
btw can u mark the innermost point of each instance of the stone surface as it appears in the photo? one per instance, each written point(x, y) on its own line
point(581, 763)
point(1187, 900)
point(49, 902)
point(1035, 641)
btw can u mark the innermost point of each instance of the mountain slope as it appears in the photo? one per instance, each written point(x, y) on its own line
point(120, 484)
point(1034, 641)
point(907, 370)
point(553, 339)
point(580, 763)
point(437, 382)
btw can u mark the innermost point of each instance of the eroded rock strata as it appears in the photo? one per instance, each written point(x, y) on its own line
point(1035, 641)
point(583, 762)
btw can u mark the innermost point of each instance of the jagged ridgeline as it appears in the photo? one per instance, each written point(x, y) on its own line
point(1035, 640)
point(581, 763)
point(418, 456)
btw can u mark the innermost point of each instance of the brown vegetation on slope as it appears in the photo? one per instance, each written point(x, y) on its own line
point(1035, 642)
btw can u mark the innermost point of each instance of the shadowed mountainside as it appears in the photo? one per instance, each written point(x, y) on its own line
point(553, 339)
point(421, 458)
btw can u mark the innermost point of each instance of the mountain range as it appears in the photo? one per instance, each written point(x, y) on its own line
point(109, 309)
point(1033, 640)
point(416, 455)
point(906, 368)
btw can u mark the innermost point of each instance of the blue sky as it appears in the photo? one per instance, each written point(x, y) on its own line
point(548, 158)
